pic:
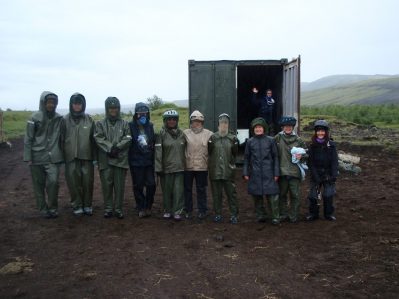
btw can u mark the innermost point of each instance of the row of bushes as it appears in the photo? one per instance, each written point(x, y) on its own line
point(360, 114)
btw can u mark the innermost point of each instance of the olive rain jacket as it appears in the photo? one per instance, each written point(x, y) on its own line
point(44, 135)
point(197, 149)
point(284, 145)
point(79, 134)
point(170, 146)
point(222, 156)
point(261, 165)
point(109, 133)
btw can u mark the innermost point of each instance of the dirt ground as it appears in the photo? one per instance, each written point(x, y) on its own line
point(93, 257)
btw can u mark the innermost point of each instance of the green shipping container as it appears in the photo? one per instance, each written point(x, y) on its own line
point(225, 86)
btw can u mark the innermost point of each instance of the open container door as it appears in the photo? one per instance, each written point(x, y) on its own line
point(212, 90)
point(292, 89)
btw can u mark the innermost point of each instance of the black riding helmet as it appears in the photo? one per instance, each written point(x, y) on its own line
point(321, 124)
point(288, 121)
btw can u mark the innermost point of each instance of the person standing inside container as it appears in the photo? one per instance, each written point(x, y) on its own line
point(169, 164)
point(265, 106)
point(113, 139)
point(141, 159)
point(43, 151)
point(197, 138)
point(222, 149)
point(80, 153)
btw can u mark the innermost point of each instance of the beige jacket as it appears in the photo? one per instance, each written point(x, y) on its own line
point(197, 149)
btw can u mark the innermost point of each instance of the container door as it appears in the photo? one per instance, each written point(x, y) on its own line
point(202, 90)
point(291, 88)
point(212, 90)
point(226, 92)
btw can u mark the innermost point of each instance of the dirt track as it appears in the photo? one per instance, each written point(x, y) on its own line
point(93, 257)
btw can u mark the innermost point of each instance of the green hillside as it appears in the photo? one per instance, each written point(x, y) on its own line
point(367, 92)
point(335, 80)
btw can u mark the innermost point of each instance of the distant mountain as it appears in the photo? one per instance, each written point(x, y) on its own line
point(181, 103)
point(93, 111)
point(124, 108)
point(378, 89)
point(336, 80)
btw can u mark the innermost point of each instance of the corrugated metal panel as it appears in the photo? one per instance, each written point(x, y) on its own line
point(291, 88)
point(201, 90)
point(225, 93)
point(212, 90)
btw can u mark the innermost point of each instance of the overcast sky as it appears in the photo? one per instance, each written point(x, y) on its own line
point(135, 49)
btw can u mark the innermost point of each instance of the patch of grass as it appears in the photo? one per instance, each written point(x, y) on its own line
point(384, 125)
point(359, 114)
point(14, 123)
point(156, 116)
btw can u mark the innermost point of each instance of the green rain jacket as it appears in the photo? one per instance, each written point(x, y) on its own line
point(222, 156)
point(112, 132)
point(170, 146)
point(44, 135)
point(79, 134)
point(284, 145)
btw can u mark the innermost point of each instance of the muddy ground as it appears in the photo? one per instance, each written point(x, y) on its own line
point(93, 257)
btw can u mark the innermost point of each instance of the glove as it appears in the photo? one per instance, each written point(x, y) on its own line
point(114, 153)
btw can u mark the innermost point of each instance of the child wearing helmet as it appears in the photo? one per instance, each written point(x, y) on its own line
point(262, 170)
point(222, 149)
point(290, 173)
point(197, 138)
point(169, 164)
point(323, 164)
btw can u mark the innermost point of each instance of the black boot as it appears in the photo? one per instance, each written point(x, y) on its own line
point(313, 209)
point(311, 217)
point(329, 208)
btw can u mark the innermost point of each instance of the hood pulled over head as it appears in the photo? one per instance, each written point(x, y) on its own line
point(44, 97)
point(112, 102)
point(77, 98)
point(141, 108)
point(259, 121)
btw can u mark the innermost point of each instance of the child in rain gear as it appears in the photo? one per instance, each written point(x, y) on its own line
point(43, 143)
point(80, 152)
point(290, 173)
point(170, 146)
point(222, 148)
point(197, 138)
point(261, 170)
point(113, 140)
point(141, 159)
point(323, 164)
